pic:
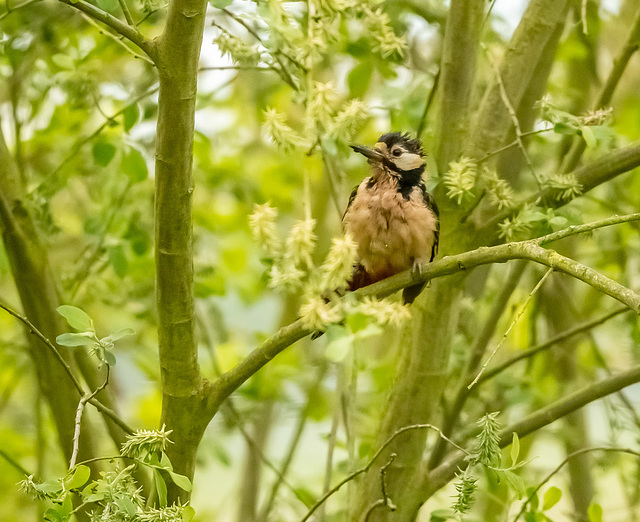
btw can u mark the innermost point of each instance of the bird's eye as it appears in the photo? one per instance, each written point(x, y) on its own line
point(397, 152)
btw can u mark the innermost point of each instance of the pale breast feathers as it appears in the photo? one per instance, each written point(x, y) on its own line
point(393, 231)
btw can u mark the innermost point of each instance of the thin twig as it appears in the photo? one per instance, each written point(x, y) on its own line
point(282, 70)
point(312, 394)
point(512, 113)
point(79, 411)
point(151, 13)
point(129, 32)
point(385, 500)
point(126, 12)
point(117, 38)
point(561, 465)
point(515, 321)
point(93, 401)
point(514, 143)
point(15, 7)
point(369, 464)
point(14, 463)
point(492, 372)
point(583, 17)
point(76, 148)
point(48, 344)
point(529, 249)
point(432, 94)
point(333, 435)
point(257, 37)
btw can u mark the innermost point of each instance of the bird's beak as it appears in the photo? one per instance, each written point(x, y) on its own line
point(368, 153)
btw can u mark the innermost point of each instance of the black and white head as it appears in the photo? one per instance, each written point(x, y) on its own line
point(396, 151)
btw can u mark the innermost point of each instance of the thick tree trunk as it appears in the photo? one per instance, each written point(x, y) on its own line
point(177, 53)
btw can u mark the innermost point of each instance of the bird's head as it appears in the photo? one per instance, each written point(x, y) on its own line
point(397, 152)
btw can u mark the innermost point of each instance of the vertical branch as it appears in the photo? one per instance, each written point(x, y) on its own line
point(525, 51)
point(36, 286)
point(178, 53)
point(457, 74)
point(631, 45)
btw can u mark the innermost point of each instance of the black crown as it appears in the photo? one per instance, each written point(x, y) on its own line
point(393, 138)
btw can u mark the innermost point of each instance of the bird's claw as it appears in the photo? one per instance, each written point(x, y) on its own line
point(417, 268)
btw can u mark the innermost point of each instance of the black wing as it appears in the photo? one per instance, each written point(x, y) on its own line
point(352, 197)
point(431, 204)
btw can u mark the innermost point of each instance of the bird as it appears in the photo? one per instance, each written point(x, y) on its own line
point(391, 217)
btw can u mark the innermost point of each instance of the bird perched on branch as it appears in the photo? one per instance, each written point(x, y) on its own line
point(390, 215)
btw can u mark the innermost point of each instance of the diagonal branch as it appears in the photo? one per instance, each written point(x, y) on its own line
point(531, 250)
point(499, 368)
point(589, 176)
point(129, 32)
point(620, 62)
point(440, 476)
point(108, 412)
point(561, 465)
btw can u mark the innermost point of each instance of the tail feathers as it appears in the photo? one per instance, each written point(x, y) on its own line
point(410, 293)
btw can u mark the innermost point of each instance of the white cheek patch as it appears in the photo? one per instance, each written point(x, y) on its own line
point(408, 161)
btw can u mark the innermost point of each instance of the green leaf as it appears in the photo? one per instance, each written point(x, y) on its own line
point(357, 321)
point(118, 260)
point(111, 6)
point(563, 128)
point(52, 515)
point(595, 513)
point(188, 513)
point(338, 349)
point(587, 135)
point(76, 318)
point(119, 335)
point(49, 487)
point(103, 153)
point(440, 515)
point(126, 504)
point(134, 165)
point(131, 115)
point(551, 498)
point(305, 496)
point(161, 487)
point(516, 482)
point(165, 462)
point(79, 477)
point(220, 4)
point(534, 502)
point(180, 480)
point(75, 339)
point(359, 79)
point(109, 358)
point(515, 449)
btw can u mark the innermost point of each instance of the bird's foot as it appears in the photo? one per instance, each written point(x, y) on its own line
point(417, 269)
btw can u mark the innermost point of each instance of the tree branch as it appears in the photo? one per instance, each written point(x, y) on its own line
point(372, 460)
point(525, 51)
point(440, 476)
point(531, 250)
point(589, 176)
point(131, 33)
point(183, 388)
point(92, 400)
point(492, 372)
point(604, 98)
point(561, 465)
point(81, 405)
point(457, 73)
